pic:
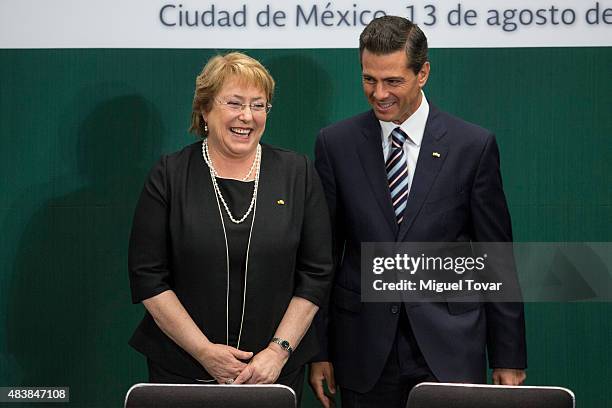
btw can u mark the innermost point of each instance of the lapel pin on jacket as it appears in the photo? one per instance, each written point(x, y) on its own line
point(436, 154)
point(280, 202)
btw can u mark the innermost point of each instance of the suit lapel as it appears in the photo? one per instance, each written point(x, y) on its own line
point(373, 163)
point(431, 157)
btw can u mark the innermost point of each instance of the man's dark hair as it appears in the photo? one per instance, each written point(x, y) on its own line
point(388, 34)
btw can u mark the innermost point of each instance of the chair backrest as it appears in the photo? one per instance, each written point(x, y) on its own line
point(209, 396)
point(445, 395)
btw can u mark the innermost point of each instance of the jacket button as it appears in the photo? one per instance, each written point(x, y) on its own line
point(395, 309)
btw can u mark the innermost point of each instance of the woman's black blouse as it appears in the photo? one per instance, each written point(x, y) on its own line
point(177, 243)
point(237, 195)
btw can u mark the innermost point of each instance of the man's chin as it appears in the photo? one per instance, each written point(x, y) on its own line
point(384, 116)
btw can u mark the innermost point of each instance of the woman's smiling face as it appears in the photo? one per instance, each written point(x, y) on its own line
point(236, 133)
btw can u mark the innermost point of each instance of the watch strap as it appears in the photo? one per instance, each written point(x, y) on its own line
point(285, 345)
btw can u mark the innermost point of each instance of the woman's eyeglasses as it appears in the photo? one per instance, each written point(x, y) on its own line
point(236, 106)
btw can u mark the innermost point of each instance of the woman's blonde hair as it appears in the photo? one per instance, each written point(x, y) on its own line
point(213, 76)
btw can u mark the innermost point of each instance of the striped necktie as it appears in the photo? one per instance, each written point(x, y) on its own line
point(397, 173)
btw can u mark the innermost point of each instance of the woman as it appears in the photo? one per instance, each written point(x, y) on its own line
point(230, 246)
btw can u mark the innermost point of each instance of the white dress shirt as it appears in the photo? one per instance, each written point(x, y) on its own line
point(414, 127)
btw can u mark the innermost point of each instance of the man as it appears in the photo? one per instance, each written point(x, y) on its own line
point(408, 172)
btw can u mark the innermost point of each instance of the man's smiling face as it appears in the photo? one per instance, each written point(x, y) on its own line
point(392, 88)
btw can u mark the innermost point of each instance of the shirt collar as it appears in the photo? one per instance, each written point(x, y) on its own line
point(414, 126)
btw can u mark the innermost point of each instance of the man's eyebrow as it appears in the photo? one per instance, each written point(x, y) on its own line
point(391, 78)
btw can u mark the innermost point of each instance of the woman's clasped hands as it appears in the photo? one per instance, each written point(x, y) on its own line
point(224, 363)
point(229, 365)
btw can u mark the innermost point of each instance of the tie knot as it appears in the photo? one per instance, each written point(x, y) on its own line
point(398, 137)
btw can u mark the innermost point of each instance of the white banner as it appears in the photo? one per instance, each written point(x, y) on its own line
point(298, 24)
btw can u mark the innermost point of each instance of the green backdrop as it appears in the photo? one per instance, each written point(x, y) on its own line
point(80, 128)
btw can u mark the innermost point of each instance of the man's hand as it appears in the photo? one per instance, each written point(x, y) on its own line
point(508, 376)
point(319, 372)
point(265, 367)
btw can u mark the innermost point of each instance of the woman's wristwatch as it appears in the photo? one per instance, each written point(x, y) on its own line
point(283, 343)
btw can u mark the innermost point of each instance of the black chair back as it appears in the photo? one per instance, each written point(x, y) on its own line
point(209, 396)
point(445, 395)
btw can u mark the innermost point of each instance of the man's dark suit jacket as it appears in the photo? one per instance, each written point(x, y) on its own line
point(457, 196)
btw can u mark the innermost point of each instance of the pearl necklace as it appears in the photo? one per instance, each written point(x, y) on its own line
point(208, 159)
point(213, 176)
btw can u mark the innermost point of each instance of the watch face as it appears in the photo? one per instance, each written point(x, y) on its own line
point(285, 344)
